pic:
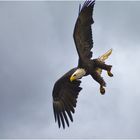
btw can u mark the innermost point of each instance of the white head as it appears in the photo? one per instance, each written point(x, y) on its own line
point(79, 73)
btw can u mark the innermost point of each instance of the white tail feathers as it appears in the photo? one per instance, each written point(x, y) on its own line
point(103, 58)
point(105, 55)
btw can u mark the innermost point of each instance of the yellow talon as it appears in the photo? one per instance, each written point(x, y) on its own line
point(102, 90)
point(109, 74)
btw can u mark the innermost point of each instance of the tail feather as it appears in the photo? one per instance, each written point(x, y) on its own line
point(103, 58)
point(105, 55)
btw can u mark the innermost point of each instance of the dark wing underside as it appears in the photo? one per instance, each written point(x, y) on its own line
point(65, 95)
point(82, 32)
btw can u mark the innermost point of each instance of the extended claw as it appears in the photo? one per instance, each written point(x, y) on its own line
point(109, 73)
point(102, 90)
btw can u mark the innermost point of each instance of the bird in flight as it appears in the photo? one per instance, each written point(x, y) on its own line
point(67, 88)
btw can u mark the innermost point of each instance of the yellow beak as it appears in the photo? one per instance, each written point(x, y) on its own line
point(72, 78)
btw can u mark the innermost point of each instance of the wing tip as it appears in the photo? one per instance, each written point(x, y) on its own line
point(88, 3)
point(79, 8)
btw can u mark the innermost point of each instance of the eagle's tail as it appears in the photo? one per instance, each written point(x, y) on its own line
point(105, 55)
point(103, 58)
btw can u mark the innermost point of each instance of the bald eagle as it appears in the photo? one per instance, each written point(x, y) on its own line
point(67, 88)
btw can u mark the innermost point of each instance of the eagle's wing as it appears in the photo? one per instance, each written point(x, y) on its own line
point(65, 95)
point(82, 32)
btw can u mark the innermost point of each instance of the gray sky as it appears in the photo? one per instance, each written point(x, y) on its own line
point(37, 48)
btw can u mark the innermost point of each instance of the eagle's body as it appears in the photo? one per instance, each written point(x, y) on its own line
point(67, 88)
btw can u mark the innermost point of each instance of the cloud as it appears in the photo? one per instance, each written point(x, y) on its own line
point(37, 48)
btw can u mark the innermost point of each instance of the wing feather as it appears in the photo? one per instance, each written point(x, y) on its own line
point(65, 95)
point(65, 117)
point(83, 33)
point(62, 120)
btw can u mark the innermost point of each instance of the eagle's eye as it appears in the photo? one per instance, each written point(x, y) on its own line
point(74, 75)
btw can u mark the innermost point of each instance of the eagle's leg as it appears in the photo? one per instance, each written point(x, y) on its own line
point(102, 65)
point(97, 77)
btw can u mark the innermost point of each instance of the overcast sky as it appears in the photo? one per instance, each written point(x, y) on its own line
point(37, 48)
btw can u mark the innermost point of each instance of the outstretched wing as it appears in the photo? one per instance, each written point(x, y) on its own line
point(65, 95)
point(82, 32)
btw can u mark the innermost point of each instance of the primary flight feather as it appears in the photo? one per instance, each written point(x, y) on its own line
point(67, 88)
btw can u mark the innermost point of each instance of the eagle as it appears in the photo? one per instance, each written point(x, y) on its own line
point(66, 89)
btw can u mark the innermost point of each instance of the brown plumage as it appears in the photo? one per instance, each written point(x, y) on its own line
point(82, 32)
point(65, 95)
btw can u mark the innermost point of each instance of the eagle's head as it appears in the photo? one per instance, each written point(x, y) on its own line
point(79, 73)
